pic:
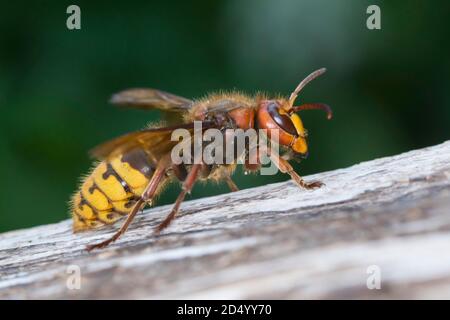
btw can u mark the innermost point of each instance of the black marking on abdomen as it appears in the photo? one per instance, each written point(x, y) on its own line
point(96, 187)
point(138, 160)
point(92, 188)
point(80, 217)
point(111, 172)
point(84, 202)
point(130, 204)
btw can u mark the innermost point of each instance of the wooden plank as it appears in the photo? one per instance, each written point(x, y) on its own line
point(390, 215)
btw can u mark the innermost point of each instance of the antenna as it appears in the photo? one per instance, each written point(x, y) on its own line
point(303, 83)
point(314, 106)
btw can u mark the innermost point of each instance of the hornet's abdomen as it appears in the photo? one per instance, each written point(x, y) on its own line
point(111, 190)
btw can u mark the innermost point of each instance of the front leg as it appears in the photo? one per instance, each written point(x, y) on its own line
point(286, 167)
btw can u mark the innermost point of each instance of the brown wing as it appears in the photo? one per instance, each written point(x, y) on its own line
point(151, 98)
point(157, 141)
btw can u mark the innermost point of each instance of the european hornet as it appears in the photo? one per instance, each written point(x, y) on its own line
point(134, 168)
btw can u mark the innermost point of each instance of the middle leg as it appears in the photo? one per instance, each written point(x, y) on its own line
point(230, 183)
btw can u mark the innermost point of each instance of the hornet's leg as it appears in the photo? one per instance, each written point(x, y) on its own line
point(233, 187)
point(286, 167)
point(186, 188)
point(148, 193)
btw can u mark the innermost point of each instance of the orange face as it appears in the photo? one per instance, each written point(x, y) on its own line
point(291, 132)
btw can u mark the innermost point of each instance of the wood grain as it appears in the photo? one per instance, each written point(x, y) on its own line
point(275, 241)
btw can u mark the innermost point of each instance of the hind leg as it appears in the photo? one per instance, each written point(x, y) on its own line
point(186, 188)
point(147, 195)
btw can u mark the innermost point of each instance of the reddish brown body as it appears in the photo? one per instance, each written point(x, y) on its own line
point(155, 167)
point(243, 117)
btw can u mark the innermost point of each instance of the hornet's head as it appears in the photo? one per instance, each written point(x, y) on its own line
point(281, 115)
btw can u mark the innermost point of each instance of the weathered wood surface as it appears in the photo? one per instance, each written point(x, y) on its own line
point(275, 241)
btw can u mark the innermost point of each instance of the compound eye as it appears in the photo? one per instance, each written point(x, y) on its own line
point(283, 120)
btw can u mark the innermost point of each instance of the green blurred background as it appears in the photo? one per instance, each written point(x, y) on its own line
point(388, 87)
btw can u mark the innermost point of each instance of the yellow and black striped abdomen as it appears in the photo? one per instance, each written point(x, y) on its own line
point(111, 190)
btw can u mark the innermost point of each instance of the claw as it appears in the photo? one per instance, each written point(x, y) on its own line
point(314, 185)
